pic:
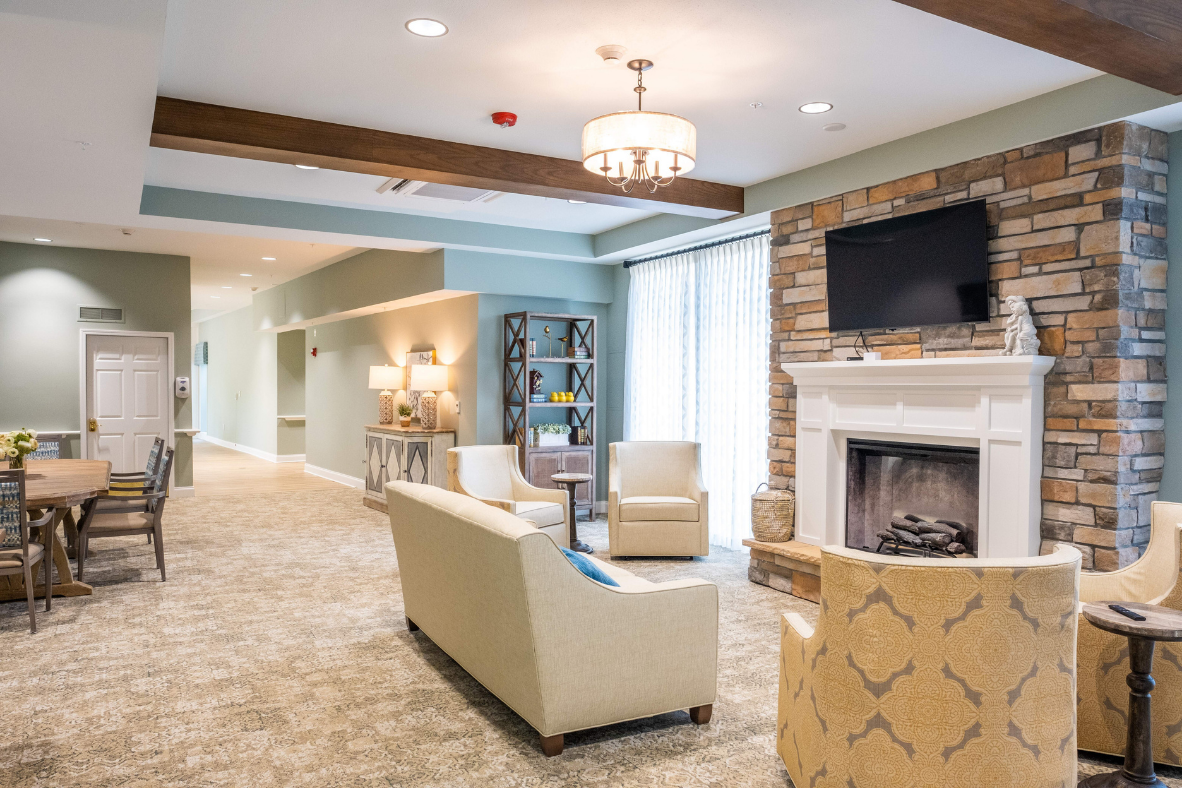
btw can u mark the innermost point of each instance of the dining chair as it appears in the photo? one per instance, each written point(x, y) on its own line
point(130, 484)
point(98, 523)
point(49, 447)
point(18, 552)
point(126, 486)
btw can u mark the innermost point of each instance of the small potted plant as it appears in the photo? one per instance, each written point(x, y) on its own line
point(404, 413)
point(16, 444)
point(551, 434)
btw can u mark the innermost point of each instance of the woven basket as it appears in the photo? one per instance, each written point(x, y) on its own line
point(773, 513)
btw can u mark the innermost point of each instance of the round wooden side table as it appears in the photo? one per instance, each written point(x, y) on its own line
point(570, 481)
point(1160, 624)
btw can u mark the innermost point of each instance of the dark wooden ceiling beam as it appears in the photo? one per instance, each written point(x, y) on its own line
point(1139, 40)
point(246, 134)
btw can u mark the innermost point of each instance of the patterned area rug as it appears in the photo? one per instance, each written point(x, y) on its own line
point(277, 655)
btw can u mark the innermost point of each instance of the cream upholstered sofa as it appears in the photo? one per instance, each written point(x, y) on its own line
point(563, 651)
point(1104, 657)
point(933, 674)
point(656, 501)
point(490, 474)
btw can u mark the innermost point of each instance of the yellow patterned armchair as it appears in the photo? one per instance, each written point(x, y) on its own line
point(1104, 657)
point(932, 674)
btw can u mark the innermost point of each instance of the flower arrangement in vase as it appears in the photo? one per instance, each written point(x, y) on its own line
point(16, 444)
point(404, 413)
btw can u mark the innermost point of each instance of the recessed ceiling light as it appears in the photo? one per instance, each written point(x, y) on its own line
point(816, 107)
point(756, 104)
point(227, 287)
point(306, 167)
point(244, 274)
point(44, 240)
point(215, 296)
point(426, 27)
point(577, 202)
point(833, 126)
point(269, 258)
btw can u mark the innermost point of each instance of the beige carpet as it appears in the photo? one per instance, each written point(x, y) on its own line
point(277, 655)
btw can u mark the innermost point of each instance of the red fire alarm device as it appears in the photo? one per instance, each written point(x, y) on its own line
point(313, 352)
point(504, 119)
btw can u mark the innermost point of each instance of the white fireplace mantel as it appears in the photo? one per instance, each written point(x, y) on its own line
point(994, 403)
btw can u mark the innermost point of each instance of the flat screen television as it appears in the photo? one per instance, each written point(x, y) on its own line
point(923, 269)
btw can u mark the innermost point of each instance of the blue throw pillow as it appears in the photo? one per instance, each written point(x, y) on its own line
point(588, 567)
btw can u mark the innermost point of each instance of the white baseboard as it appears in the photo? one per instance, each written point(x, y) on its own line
point(339, 478)
point(182, 492)
point(253, 452)
point(601, 507)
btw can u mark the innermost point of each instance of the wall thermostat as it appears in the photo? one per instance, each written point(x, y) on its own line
point(182, 388)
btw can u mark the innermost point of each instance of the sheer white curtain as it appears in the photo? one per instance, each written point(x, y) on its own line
point(699, 328)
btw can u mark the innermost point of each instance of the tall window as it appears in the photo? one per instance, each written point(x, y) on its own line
point(698, 341)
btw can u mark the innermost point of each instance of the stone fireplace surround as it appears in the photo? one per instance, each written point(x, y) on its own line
point(1077, 225)
point(994, 404)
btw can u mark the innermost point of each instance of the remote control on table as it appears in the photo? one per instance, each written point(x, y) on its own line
point(1124, 611)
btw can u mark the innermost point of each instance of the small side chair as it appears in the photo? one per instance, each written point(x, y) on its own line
point(97, 522)
point(18, 553)
point(127, 488)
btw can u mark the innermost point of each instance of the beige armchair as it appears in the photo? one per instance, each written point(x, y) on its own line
point(1104, 657)
point(922, 672)
point(656, 501)
point(490, 474)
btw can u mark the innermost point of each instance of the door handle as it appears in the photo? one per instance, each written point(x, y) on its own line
point(92, 425)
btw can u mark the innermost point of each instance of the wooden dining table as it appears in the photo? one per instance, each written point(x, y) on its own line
point(61, 484)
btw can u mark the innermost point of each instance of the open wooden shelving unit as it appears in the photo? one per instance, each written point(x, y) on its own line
point(538, 463)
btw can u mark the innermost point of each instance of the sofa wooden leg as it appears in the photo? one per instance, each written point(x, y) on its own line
point(551, 745)
point(701, 714)
point(412, 626)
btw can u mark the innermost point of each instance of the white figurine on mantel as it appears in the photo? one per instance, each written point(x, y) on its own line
point(1021, 336)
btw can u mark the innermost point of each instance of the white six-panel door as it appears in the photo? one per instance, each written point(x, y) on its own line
point(128, 396)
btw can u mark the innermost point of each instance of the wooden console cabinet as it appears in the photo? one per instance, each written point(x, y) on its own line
point(409, 454)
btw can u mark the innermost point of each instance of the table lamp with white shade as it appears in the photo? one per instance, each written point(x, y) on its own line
point(428, 378)
point(385, 378)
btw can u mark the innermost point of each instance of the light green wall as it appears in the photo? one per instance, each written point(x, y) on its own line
point(290, 365)
point(339, 402)
point(241, 381)
point(372, 277)
point(41, 288)
point(1171, 482)
point(379, 276)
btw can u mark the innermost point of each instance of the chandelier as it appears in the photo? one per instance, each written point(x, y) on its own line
point(628, 148)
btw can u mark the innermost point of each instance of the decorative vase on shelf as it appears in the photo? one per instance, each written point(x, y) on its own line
point(17, 462)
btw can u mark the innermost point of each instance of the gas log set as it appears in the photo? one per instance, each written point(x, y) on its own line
point(913, 535)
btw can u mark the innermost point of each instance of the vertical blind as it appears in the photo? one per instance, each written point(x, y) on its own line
point(699, 328)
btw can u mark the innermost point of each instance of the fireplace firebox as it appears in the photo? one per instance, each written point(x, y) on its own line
point(921, 498)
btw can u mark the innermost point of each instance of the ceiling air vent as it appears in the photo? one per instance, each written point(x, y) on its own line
point(436, 191)
point(100, 314)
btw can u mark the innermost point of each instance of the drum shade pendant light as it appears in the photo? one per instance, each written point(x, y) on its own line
point(651, 148)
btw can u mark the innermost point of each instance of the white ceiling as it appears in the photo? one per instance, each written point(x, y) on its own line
point(216, 261)
point(889, 70)
point(80, 81)
point(249, 178)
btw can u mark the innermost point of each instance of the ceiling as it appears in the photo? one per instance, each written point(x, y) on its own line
point(888, 69)
point(74, 145)
point(216, 261)
point(249, 178)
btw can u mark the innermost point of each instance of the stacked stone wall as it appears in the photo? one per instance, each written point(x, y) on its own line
point(1077, 225)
